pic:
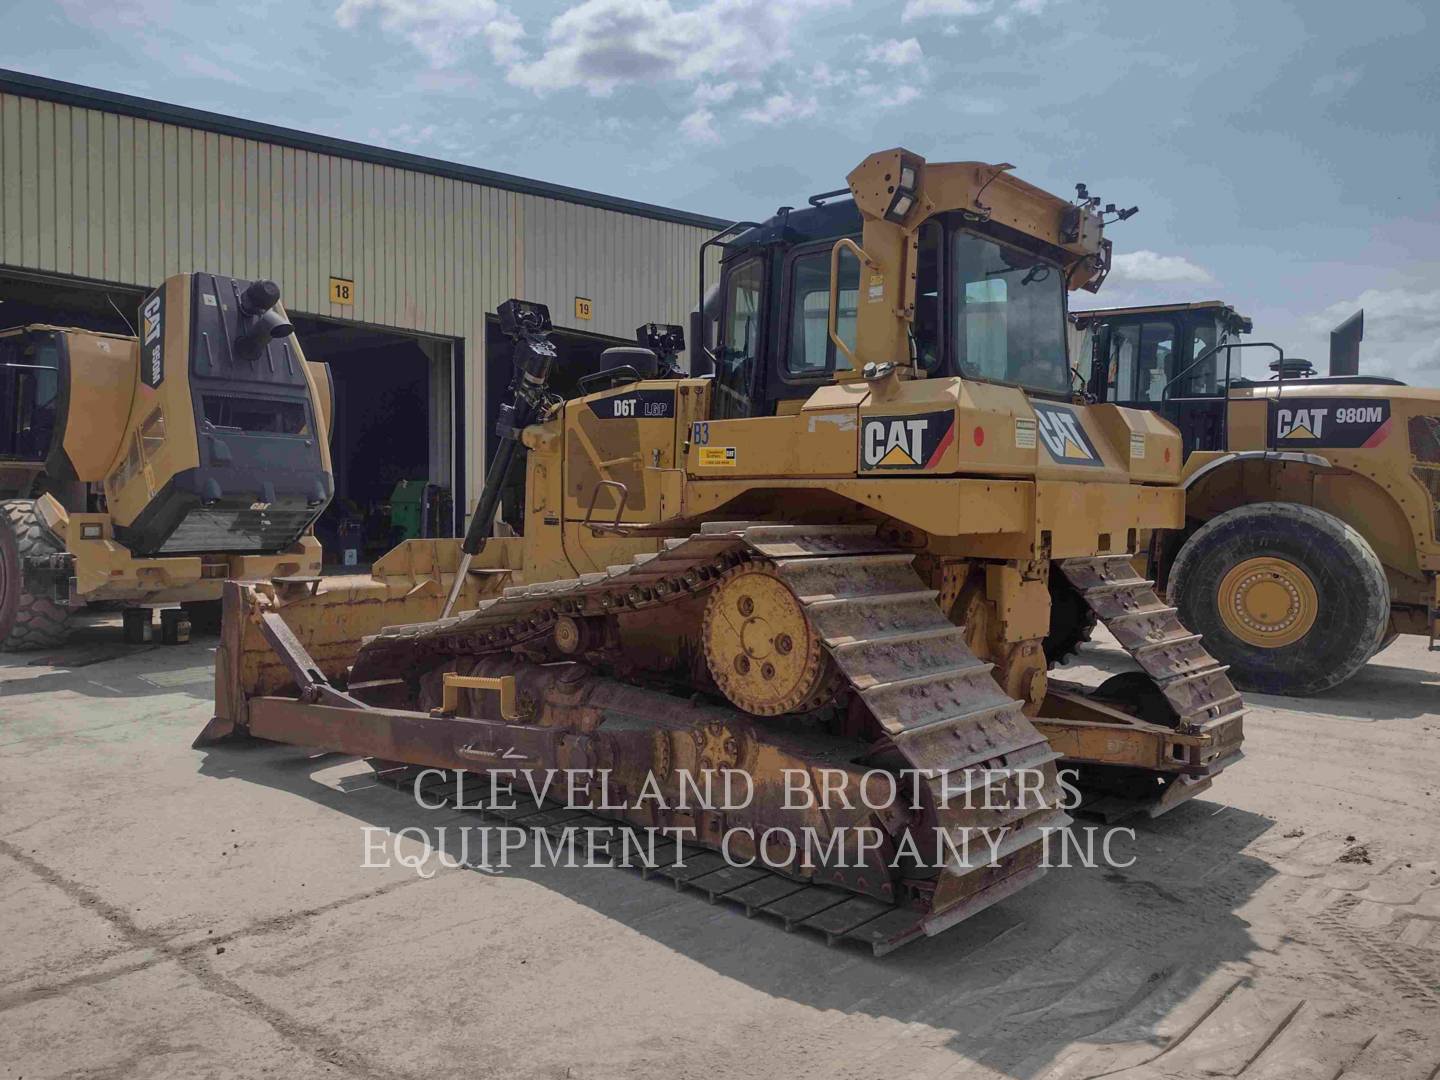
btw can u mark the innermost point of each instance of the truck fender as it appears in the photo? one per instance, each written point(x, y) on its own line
point(1241, 455)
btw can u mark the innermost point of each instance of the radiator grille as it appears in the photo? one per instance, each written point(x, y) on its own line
point(1425, 439)
point(242, 532)
point(1429, 475)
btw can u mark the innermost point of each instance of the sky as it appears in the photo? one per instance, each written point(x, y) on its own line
point(1285, 156)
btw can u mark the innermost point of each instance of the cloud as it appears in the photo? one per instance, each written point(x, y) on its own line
point(1148, 266)
point(919, 9)
point(1006, 19)
point(1005, 11)
point(717, 50)
point(894, 53)
point(884, 95)
point(440, 29)
point(781, 108)
point(715, 94)
point(599, 45)
point(699, 126)
point(1402, 331)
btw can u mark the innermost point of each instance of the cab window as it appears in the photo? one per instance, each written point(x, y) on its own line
point(1204, 378)
point(29, 385)
point(1009, 315)
point(929, 324)
point(811, 353)
point(1142, 360)
point(739, 339)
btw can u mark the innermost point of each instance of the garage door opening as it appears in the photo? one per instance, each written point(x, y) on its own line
point(59, 301)
point(393, 447)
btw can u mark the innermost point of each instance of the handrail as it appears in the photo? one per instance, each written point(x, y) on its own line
point(1225, 412)
point(1227, 346)
point(597, 526)
point(832, 316)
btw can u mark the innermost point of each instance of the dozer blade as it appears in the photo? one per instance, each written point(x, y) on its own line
point(332, 616)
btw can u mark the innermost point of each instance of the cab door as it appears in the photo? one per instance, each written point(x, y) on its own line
point(742, 326)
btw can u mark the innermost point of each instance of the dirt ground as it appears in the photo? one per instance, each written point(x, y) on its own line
point(171, 912)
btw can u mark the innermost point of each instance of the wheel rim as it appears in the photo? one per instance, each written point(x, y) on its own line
point(1268, 602)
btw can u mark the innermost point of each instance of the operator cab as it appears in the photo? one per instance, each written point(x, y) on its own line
point(206, 434)
point(1175, 359)
point(1181, 360)
point(988, 306)
point(29, 392)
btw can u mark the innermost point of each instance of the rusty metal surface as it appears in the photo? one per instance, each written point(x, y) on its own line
point(942, 714)
point(1209, 711)
point(933, 708)
point(1192, 680)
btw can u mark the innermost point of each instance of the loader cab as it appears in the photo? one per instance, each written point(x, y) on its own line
point(1173, 359)
point(226, 447)
point(29, 389)
point(988, 307)
point(30, 359)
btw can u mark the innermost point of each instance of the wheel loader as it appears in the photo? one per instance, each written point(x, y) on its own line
point(1312, 503)
point(848, 554)
point(145, 471)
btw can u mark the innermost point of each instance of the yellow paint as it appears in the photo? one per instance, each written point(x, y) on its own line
point(1267, 601)
point(342, 291)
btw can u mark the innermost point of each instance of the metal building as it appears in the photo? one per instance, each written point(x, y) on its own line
point(391, 264)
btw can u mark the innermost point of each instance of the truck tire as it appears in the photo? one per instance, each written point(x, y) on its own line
point(1292, 598)
point(26, 621)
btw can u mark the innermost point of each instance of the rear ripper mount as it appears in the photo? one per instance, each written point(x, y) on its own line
point(932, 709)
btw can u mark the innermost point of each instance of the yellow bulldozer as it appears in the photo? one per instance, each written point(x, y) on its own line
point(145, 471)
point(848, 553)
point(1312, 502)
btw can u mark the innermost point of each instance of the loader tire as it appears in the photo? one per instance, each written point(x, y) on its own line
point(1292, 598)
point(26, 621)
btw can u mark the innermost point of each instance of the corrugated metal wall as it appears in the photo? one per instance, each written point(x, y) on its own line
point(131, 201)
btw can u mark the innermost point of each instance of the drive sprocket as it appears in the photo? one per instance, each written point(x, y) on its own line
point(762, 650)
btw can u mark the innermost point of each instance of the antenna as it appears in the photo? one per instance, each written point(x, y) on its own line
point(123, 319)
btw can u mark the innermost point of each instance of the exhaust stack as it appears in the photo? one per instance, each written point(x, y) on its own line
point(1345, 345)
